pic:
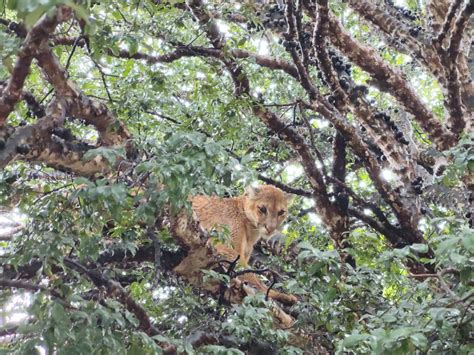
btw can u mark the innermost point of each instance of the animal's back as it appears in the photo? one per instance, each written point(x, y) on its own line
point(214, 211)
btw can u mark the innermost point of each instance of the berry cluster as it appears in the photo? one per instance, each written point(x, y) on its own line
point(344, 84)
point(412, 16)
point(339, 64)
point(398, 134)
point(378, 152)
point(274, 17)
point(305, 42)
point(253, 27)
point(414, 31)
point(359, 91)
point(341, 68)
point(417, 185)
point(289, 45)
point(23, 149)
point(63, 133)
point(305, 39)
point(468, 214)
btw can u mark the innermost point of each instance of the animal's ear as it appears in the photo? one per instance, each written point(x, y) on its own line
point(252, 191)
point(289, 197)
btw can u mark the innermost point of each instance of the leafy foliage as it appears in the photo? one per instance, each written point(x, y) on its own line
point(192, 135)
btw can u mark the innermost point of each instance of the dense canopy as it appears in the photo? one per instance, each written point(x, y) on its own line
point(113, 112)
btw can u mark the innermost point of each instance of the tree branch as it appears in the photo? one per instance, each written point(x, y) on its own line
point(36, 38)
point(453, 8)
point(285, 187)
point(21, 284)
point(395, 29)
point(453, 99)
point(391, 81)
point(112, 131)
point(115, 290)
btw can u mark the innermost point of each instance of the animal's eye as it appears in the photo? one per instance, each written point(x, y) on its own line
point(281, 212)
point(263, 210)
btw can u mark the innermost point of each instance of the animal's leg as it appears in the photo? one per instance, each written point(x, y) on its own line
point(253, 280)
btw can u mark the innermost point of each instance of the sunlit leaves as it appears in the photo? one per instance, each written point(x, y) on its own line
point(249, 321)
point(31, 10)
point(193, 136)
point(110, 154)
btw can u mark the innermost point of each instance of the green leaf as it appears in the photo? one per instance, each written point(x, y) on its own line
point(419, 248)
point(468, 241)
point(109, 154)
point(80, 10)
point(57, 313)
point(220, 350)
point(401, 332)
point(212, 275)
point(131, 318)
point(419, 340)
point(32, 17)
point(354, 339)
point(458, 258)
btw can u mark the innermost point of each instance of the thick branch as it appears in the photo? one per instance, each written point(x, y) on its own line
point(35, 143)
point(37, 37)
point(291, 36)
point(458, 30)
point(24, 285)
point(454, 96)
point(112, 131)
point(23, 137)
point(115, 290)
point(393, 28)
point(392, 234)
point(391, 81)
point(453, 8)
point(321, 31)
point(21, 284)
point(376, 129)
point(67, 157)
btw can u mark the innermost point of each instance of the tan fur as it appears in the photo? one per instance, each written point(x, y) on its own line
point(247, 223)
point(243, 216)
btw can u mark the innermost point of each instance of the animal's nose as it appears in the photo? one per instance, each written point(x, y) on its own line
point(270, 230)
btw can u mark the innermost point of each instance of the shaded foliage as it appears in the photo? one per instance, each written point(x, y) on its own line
point(113, 113)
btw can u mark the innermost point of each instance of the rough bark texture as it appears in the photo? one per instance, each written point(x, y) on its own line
point(359, 131)
point(391, 81)
point(36, 39)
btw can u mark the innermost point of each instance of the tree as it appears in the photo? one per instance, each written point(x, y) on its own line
point(112, 113)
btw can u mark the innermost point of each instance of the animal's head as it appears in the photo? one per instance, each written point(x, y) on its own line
point(266, 207)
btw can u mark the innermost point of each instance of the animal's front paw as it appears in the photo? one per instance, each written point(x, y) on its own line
point(277, 243)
